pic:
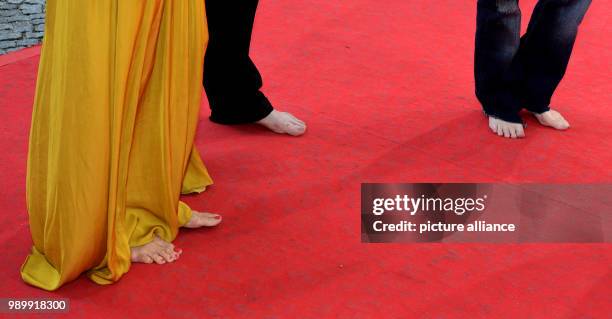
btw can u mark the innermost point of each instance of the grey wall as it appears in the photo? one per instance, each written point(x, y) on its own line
point(22, 23)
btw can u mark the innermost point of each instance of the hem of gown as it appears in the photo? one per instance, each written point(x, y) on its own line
point(99, 276)
point(35, 267)
point(195, 190)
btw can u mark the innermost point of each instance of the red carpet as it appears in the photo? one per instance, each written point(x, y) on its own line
point(387, 92)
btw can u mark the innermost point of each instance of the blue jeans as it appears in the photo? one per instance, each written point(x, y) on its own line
point(514, 72)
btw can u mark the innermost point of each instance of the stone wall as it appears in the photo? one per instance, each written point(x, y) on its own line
point(22, 23)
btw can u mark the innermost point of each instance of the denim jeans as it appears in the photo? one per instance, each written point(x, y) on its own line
point(514, 72)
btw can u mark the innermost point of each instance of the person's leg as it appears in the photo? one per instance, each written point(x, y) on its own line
point(162, 162)
point(545, 52)
point(231, 79)
point(67, 170)
point(497, 41)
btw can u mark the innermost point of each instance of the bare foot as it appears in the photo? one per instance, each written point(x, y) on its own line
point(283, 123)
point(506, 129)
point(203, 220)
point(157, 251)
point(552, 119)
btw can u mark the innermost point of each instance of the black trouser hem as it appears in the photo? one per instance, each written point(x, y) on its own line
point(508, 117)
point(233, 116)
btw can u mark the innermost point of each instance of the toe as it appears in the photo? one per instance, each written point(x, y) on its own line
point(297, 123)
point(211, 221)
point(175, 255)
point(492, 125)
point(559, 122)
point(168, 255)
point(295, 119)
point(210, 215)
point(158, 259)
point(506, 130)
point(289, 115)
point(206, 219)
point(513, 133)
point(296, 130)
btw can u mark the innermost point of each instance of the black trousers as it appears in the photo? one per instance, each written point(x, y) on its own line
point(514, 72)
point(231, 79)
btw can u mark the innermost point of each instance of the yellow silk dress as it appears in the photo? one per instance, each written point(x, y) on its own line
point(111, 143)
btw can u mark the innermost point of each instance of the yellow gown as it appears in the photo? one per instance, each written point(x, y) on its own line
point(111, 142)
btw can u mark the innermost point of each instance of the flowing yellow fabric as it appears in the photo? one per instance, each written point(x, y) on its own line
point(111, 143)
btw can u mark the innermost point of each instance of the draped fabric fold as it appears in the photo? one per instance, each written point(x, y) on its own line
point(111, 142)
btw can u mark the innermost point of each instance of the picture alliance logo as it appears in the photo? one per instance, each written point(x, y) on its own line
point(414, 205)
